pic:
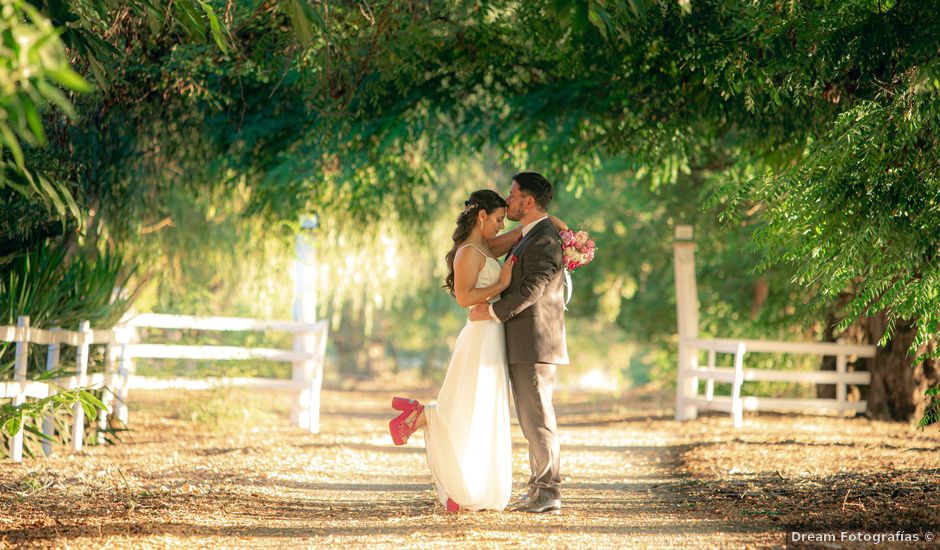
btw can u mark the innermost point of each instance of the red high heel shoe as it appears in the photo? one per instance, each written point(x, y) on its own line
point(452, 506)
point(404, 404)
point(402, 426)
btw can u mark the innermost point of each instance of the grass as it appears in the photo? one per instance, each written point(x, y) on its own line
point(227, 409)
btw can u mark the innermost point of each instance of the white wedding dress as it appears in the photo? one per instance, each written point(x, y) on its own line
point(467, 436)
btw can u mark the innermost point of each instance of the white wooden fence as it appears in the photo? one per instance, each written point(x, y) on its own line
point(123, 346)
point(690, 373)
point(307, 358)
point(21, 388)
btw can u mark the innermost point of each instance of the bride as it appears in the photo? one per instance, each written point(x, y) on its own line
point(469, 450)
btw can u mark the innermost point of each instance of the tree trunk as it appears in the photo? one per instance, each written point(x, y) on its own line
point(856, 333)
point(898, 385)
point(350, 344)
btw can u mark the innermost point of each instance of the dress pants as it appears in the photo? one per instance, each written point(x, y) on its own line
point(532, 388)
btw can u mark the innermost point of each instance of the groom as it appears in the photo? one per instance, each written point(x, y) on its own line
point(532, 310)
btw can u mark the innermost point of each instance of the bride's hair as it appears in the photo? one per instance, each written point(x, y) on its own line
point(485, 200)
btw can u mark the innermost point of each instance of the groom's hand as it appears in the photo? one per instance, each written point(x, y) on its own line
point(480, 312)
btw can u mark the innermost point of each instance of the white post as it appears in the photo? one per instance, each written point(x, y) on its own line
point(302, 374)
point(106, 396)
point(305, 408)
point(710, 383)
point(316, 382)
point(125, 365)
point(737, 406)
point(19, 375)
point(52, 361)
point(81, 363)
point(686, 316)
point(841, 389)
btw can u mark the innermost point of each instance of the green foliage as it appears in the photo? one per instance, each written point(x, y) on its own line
point(14, 418)
point(205, 256)
point(58, 288)
point(304, 19)
point(932, 413)
point(87, 24)
point(812, 126)
point(33, 64)
point(860, 211)
point(57, 285)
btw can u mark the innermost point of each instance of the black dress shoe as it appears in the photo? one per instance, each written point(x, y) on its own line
point(519, 505)
point(516, 504)
point(541, 505)
point(522, 500)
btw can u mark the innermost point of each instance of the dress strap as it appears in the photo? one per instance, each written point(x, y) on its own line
point(477, 248)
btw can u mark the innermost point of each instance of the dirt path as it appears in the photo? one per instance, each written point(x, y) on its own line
point(632, 478)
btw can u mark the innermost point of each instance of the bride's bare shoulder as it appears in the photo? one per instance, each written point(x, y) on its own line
point(478, 248)
point(470, 256)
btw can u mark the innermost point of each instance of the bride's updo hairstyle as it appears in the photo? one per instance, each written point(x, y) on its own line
point(485, 200)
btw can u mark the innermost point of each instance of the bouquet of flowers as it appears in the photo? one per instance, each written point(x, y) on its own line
point(578, 248)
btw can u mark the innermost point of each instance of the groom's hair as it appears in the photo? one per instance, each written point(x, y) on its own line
point(535, 185)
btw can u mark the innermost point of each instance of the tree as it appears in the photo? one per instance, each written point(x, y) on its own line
point(820, 118)
point(815, 123)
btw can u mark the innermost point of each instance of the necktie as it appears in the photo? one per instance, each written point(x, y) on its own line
point(514, 245)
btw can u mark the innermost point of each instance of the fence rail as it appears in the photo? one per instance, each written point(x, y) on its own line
point(21, 388)
point(307, 357)
point(219, 353)
point(123, 344)
point(168, 321)
point(56, 336)
point(689, 401)
point(151, 383)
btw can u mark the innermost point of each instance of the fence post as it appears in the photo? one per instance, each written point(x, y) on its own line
point(302, 375)
point(737, 406)
point(81, 363)
point(316, 383)
point(106, 396)
point(125, 364)
point(841, 389)
point(687, 317)
point(305, 409)
point(710, 383)
point(52, 361)
point(308, 374)
point(19, 375)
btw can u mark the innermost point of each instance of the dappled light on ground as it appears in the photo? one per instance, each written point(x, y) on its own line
point(632, 477)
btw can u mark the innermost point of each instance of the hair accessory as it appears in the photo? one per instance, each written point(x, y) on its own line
point(469, 205)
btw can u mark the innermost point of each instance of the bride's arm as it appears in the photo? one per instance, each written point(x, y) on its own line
point(559, 224)
point(500, 244)
point(467, 266)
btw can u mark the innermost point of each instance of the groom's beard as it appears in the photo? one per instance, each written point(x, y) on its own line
point(515, 215)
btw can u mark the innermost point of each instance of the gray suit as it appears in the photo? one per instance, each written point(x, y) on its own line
point(532, 310)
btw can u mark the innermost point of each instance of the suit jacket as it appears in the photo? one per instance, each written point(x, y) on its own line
point(532, 308)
